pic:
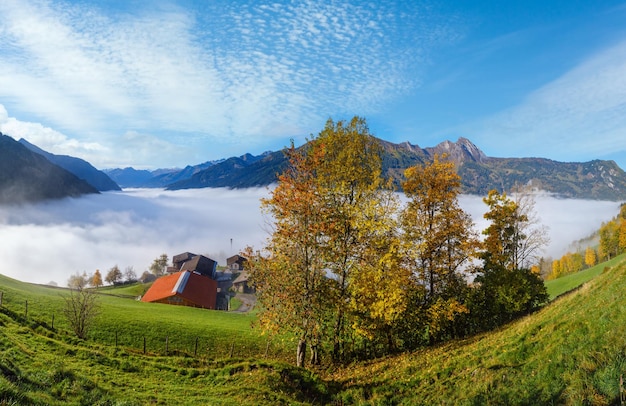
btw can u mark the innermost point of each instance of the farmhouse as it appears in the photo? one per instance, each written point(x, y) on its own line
point(190, 281)
point(235, 263)
point(241, 284)
point(184, 288)
point(194, 263)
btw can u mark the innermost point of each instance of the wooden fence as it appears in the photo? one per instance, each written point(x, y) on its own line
point(166, 344)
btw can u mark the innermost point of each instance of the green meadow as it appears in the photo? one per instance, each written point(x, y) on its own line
point(573, 351)
point(566, 283)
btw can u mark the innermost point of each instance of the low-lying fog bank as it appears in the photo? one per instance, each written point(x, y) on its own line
point(50, 241)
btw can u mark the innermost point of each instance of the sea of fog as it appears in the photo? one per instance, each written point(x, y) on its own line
point(47, 242)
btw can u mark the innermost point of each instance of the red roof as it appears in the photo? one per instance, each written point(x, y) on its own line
point(198, 290)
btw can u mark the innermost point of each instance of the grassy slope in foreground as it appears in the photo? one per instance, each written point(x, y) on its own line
point(44, 365)
point(210, 334)
point(571, 352)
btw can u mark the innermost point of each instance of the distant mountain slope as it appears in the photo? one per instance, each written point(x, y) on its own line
point(168, 178)
point(237, 172)
point(129, 177)
point(81, 168)
point(26, 176)
point(602, 180)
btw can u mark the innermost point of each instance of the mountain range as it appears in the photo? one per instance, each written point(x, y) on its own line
point(597, 179)
point(28, 173)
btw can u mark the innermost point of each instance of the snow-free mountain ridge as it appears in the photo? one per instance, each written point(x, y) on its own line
point(597, 179)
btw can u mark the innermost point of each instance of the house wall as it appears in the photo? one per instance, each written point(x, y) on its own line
point(179, 301)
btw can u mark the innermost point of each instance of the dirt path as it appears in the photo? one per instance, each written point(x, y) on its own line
point(247, 302)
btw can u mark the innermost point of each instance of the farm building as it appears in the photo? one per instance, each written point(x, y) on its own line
point(185, 288)
point(241, 284)
point(194, 263)
point(235, 263)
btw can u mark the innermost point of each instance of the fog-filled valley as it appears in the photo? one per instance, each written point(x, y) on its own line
point(50, 241)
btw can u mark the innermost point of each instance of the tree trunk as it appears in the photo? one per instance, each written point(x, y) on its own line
point(315, 357)
point(300, 355)
point(337, 350)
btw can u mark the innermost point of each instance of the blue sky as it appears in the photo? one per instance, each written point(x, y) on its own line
point(169, 83)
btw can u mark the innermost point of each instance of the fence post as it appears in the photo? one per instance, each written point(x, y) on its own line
point(232, 349)
point(622, 395)
point(195, 351)
point(144, 345)
point(52, 321)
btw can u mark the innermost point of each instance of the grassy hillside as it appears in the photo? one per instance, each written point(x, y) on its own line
point(211, 334)
point(566, 283)
point(571, 352)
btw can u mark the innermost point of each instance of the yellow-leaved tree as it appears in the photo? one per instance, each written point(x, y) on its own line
point(289, 275)
point(438, 241)
point(590, 257)
point(330, 217)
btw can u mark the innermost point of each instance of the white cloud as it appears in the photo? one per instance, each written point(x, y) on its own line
point(580, 114)
point(243, 70)
point(51, 241)
point(48, 139)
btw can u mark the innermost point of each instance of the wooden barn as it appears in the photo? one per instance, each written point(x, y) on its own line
point(194, 263)
point(185, 288)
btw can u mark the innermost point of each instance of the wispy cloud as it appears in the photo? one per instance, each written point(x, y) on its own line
point(580, 114)
point(241, 71)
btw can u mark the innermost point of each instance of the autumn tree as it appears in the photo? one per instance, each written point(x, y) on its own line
point(438, 238)
point(349, 181)
point(380, 287)
point(556, 269)
point(159, 265)
point(328, 210)
point(290, 278)
point(114, 275)
point(502, 235)
point(590, 257)
point(506, 289)
point(96, 279)
point(609, 239)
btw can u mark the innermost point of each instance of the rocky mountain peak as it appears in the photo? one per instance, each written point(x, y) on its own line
point(459, 152)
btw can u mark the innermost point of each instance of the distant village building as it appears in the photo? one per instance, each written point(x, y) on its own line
point(195, 263)
point(190, 281)
point(184, 288)
point(235, 263)
point(241, 284)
